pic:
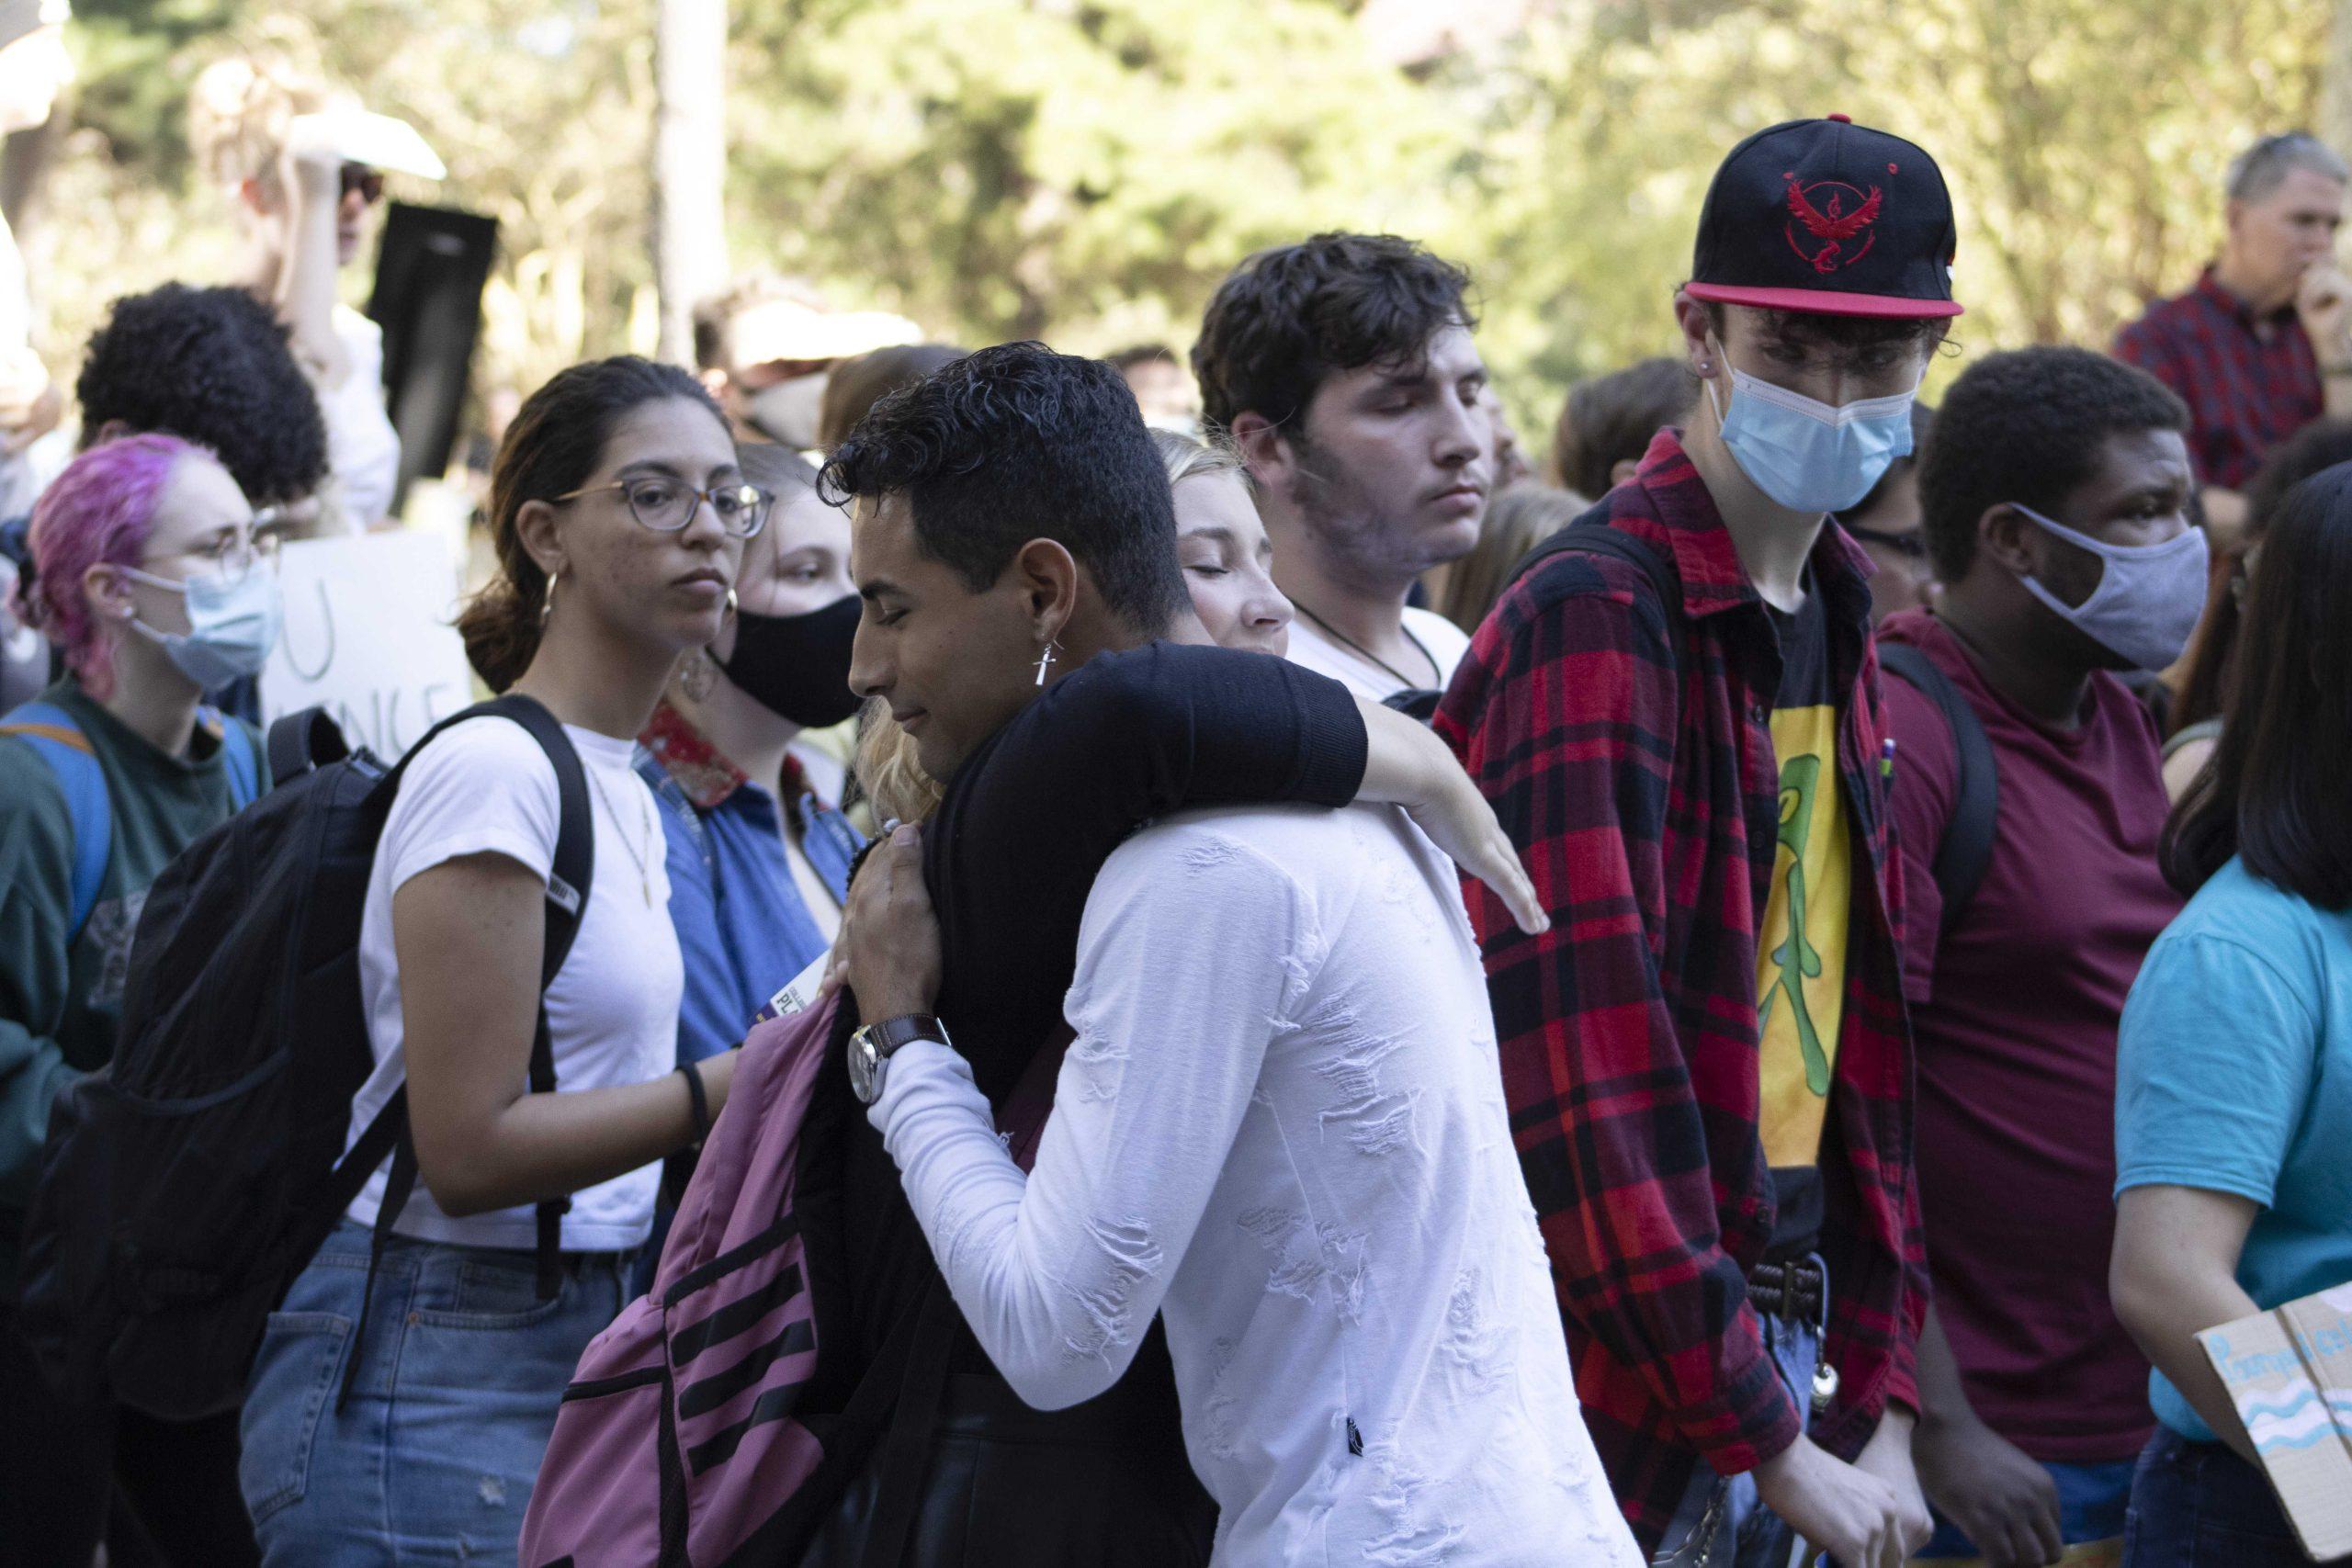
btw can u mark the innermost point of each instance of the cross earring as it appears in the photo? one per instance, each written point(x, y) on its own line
point(1045, 657)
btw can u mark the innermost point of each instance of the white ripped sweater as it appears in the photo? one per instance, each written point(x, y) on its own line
point(1281, 1126)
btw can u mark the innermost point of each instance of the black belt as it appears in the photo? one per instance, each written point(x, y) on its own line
point(1791, 1291)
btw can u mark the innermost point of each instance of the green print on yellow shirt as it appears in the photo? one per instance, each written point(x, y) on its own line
point(1801, 950)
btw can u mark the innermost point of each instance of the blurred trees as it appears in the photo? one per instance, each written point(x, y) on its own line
point(1086, 170)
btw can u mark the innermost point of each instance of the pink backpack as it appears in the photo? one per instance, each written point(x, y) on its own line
point(679, 1443)
point(676, 1443)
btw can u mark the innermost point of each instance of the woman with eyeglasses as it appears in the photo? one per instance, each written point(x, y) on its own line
point(265, 133)
point(146, 579)
point(759, 859)
point(404, 1420)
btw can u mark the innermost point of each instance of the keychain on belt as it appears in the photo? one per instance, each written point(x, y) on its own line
point(1824, 1376)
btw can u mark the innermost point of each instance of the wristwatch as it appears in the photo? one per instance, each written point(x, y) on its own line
point(870, 1049)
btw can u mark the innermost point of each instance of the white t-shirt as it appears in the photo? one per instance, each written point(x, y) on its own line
point(1441, 639)
point(613, 1008)
point(1281, 1128)
point(362, 449)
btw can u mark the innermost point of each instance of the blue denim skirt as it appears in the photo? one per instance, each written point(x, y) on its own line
point(432, 1458)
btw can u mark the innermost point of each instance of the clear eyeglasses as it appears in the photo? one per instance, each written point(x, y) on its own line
point(667, 506)
point(232, 558)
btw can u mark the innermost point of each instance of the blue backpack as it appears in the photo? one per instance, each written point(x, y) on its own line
point(53, 733)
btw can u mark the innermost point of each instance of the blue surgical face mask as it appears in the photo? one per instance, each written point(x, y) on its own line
point(2148, 599)
point(1811, 455)
point(231, 626)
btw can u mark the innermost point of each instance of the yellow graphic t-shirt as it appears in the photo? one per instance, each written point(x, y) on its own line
point(1801, 950)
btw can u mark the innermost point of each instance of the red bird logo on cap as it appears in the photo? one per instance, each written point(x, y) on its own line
point(1836, 227)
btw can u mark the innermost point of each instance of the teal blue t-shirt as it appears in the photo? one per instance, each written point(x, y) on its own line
point(2234, 1075)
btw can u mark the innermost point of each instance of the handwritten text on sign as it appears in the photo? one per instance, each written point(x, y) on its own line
point(368, 637)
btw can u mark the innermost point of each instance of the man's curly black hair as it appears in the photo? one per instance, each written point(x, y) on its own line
point(2029, 424)
point(209, 366)
point(1017, 442)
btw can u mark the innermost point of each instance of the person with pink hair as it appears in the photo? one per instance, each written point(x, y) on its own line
point(147, 580)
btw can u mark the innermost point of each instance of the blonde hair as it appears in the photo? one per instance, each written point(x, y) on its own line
point(888, 771)
point(238, 112)
point(1189, 456)
point(1515, 521)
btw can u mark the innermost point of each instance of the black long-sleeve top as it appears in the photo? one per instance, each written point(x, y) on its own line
point(1013, 850)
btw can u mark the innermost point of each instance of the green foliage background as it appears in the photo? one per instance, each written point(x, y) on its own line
point(1085, 171)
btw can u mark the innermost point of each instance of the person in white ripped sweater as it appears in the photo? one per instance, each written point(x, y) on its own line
point(1281, 1125)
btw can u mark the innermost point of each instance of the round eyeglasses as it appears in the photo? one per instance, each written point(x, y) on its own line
point(667, 506)
point(230, 558)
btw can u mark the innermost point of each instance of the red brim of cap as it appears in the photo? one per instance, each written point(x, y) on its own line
point(1820, 302)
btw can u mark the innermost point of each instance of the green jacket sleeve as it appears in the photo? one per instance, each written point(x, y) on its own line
point(36, 870)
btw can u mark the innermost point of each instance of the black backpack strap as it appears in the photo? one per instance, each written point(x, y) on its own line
point(1966, 847)
point(303, 740)
point(1593, 535)
point(568, 879)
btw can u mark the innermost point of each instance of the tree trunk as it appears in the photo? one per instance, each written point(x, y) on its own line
point(2336, 80)
point(689, 164)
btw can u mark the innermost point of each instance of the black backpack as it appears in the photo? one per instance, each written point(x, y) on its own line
point(1966, 847)
point(184, 1186)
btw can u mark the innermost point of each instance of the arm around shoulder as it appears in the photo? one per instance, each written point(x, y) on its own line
point(1060, 1272)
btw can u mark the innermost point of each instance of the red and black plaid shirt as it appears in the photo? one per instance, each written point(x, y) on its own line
point(2249, 382)
point(1647, 808)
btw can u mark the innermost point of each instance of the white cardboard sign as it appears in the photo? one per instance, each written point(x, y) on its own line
point(370, 637)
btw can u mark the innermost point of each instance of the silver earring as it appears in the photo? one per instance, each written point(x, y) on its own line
point(1046, 657)
point(546, 605)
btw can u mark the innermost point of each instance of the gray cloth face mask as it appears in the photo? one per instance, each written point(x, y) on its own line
point(2149, 597)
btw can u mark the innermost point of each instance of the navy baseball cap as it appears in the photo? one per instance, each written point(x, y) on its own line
point(1828, 217)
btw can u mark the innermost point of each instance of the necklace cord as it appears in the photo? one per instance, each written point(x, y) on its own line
point(1402, 679)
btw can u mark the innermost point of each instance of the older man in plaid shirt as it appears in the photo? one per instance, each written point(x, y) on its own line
point(1707, 1059)
point(2260, 348)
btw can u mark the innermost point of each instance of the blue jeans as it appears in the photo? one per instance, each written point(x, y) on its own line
point(432, 1458)
point(2091, 1503)
point(2199, 1506)
point(1746, 1534)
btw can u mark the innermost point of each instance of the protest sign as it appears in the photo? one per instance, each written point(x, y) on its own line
point(370, 637)
point(2290, 1373)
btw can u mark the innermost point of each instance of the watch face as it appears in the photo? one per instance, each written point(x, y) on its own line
point(865, 1069)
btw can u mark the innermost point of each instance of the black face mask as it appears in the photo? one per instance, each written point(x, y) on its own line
point(798, 666)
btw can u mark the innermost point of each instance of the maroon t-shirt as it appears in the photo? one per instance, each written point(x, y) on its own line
point(2014, 1010)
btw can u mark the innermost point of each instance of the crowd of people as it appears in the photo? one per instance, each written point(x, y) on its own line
point(1760, 986)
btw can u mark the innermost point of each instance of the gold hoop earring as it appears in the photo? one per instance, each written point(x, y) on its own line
point(1046, 657)
point(733, 604)
point(546, 605)
point(700, 677)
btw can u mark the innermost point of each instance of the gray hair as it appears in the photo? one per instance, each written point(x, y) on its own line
point(2264, 168)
